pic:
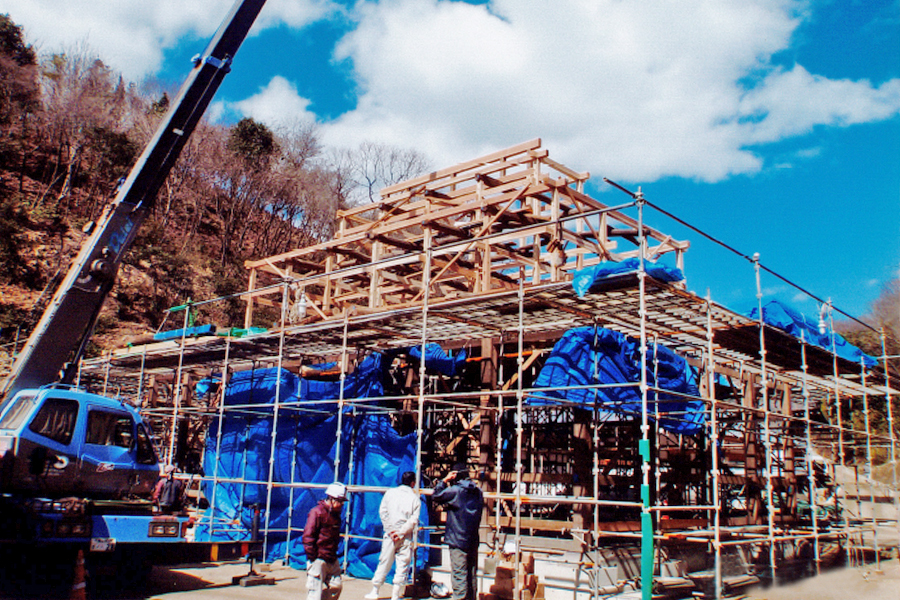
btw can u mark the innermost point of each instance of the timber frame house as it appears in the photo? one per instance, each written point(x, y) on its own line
point(465, 231)
point(480, 257)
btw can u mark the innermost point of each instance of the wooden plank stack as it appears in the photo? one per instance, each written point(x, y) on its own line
point(508, 578)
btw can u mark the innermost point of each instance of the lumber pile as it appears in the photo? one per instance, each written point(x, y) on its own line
point(508, 578)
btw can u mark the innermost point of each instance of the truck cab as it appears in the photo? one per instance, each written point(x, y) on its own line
point(60, 442)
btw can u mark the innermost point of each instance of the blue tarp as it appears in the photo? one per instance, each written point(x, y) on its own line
point(585, 279)
point(797, 324)
point(615, 358)
point(175, 334)
point(305, 449)
point(382, 455)
point(437, 359)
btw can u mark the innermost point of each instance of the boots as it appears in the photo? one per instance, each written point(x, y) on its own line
point(397, 591)
point(373, 595)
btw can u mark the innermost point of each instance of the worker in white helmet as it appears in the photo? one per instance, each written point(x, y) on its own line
point(321, 537)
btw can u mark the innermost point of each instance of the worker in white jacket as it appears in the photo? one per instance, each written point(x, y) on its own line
point(399, 513)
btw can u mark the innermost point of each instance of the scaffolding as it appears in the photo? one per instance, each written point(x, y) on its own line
point(481, 256)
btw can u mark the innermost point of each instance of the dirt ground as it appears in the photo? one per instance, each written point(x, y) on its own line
point(214, 582)
point(197, 583)
point(860, 583)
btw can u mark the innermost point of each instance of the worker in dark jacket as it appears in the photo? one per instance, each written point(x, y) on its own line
point(320, 541)
point(463, 502)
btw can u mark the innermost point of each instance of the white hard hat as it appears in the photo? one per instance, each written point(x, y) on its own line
point(336, 490)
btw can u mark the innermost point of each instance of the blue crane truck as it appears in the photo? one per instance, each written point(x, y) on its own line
point(76, 469)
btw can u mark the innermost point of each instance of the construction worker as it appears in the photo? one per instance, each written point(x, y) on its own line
point(399, 512)
point(463, 502)
point(168, 495)
point(321, 537)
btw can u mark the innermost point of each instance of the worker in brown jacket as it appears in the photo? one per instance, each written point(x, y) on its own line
point(321, 537)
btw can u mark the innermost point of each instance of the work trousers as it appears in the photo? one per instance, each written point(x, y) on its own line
point(402, 551)
point(463, 567)
point(323, 580)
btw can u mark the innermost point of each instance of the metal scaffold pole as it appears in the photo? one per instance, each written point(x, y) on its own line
point(890, 417)
point(426, 288)
point(519, 426)
point(140, 391)
point(837, 391)
point(215, 481)
point(714, 443)
point(176, 404)
point(869, 473)
point(275, 414)
point(498, 467)
point(810, 465)
point(290, 515)
point(345, 359)
point(647, 542)
point(106, 374)
point(840, 427)
point(420, 404)
point(595, 471)
point(767, 434)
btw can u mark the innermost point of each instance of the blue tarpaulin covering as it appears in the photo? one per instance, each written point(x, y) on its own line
point(798, 325)
point(586, 279)
point(586, 356)
point(306, 443)
point(189, 332)
point(382, 455)
point(437, 359)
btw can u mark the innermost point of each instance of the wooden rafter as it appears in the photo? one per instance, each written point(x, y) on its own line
point(489, 222)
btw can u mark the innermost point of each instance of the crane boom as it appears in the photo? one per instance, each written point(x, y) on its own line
point(60, 337)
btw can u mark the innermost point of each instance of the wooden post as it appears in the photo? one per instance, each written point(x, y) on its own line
point(751, 452)
point(582, 452)
point(248, 313)
point(487, 421)
point(152, 394)
point(327, 289)
point(375, 276)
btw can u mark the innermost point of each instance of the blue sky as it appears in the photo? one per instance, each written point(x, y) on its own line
point(772, 125)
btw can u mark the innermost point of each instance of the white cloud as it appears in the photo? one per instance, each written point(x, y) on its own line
point(131, 35)
point(637, 90)
point(295, 13)
point(800, 298)
point(795, 101)
point(642, 91)
point(277, 104)
point(774, 290)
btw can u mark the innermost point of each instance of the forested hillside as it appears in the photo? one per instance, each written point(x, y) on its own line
point(70, 130)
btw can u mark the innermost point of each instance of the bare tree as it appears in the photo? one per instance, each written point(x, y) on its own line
point(883, 314)
point(86, 106)
point(373, 166)
point(19, 95)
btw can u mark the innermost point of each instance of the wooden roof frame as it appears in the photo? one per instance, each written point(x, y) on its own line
point(467, 230)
